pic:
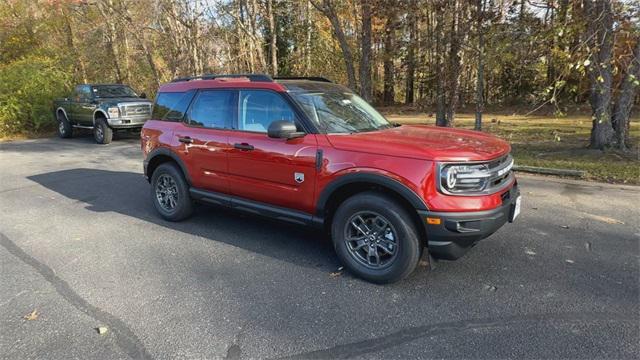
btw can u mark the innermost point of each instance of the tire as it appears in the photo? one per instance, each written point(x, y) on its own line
point(387, 224)
point(168, 176)
point(65, 130)
point(102, 132)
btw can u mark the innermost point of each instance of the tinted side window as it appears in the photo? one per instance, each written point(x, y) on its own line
point(258, 109)
point(213, 109)
point(82, 92)
point(86, 92)
point(171, 106)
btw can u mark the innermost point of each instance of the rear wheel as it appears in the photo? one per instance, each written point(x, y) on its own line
point(170, 193)
point(65, 130)
point(102, 132)
point(375, 238)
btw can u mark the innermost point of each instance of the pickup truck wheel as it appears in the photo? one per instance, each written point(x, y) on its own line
point(375, 238)
point(102, 132)
point(170, 193)
point(65, 130)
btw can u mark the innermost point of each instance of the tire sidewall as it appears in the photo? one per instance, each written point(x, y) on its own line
point(66, 132)
point(409, 244)
point(184, 207)
point(107, 132)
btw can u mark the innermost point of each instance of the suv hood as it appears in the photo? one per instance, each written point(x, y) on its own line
point(424, 142)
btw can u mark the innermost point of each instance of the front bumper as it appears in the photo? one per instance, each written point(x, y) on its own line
point(126, 122)
point(457, 232)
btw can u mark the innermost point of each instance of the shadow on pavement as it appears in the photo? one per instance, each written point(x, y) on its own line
point(128, 193)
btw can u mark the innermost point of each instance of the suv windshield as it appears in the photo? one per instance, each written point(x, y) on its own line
point(113, 91)
point(340, 112)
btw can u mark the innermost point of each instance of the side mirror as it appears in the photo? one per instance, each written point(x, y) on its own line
point(143, 95)
point(283, 129)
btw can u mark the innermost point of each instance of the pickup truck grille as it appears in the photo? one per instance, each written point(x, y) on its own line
point(136, 110)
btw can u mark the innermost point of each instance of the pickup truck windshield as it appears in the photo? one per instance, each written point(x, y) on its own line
point(340, 112)
point(113, 91)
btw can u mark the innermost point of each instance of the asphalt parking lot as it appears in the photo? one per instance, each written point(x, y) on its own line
point(81, 244)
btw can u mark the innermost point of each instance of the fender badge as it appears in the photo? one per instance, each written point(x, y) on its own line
point(299, 177)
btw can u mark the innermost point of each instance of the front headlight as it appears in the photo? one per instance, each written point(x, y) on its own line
point(113, 112)
point(463, 178)
point(474, 178)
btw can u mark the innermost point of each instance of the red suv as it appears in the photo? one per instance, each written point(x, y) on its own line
point(312, 152)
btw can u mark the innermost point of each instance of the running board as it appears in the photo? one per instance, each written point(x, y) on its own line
point(255, 207)
point(83, 127)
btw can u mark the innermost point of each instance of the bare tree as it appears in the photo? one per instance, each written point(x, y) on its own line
point(327, 8)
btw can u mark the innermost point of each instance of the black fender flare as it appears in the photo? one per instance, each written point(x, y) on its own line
point(367, 177)
point(162, 151)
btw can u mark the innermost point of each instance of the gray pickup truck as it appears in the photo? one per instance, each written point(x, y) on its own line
point(103, 108)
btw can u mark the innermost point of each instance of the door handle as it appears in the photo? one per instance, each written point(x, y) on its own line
point(185, 140)
point(243, 146)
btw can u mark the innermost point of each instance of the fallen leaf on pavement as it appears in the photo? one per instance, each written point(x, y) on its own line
point(32, 315)
point(102, 330)
point(490, 288)
point(604, 219)
point(335, 274)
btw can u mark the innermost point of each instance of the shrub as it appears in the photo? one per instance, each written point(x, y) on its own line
point(28, 87)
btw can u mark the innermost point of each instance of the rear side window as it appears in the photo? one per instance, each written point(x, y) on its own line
point(213, 109)
point(171, 106)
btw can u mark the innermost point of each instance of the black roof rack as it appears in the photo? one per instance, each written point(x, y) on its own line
point(310, 78)
point(251, 77)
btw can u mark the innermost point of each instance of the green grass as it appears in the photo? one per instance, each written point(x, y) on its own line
point(547, 141)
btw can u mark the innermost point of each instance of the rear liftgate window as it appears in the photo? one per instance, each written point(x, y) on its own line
point(171, 106)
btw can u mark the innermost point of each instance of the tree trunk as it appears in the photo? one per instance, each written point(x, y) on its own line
point(600, 35)
point(307, 44)
point(453, 68)
point(107, 13)
point(272, 38)
point(389, 94)
point(365, 60)
point(441, 119)
point(628, 93)
point(411, 49)
point(480, 74)
point(80, 67)
point(328, 10)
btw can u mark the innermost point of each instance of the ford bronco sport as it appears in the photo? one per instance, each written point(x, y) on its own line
point(309, 151)
point(103, 108)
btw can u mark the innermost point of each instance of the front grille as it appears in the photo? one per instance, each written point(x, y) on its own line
point(500, 171)
point(133, 110)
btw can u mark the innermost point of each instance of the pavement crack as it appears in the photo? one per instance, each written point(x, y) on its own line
point(125, 338)
point(406, 335)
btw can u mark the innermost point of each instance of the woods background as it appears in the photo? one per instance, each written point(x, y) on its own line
point(430, 55)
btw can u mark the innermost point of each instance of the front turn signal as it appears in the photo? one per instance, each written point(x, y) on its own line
point(433, 221)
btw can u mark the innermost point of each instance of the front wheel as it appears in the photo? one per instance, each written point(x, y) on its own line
point(102, 132)
point(375, 238)
point(170, 193)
